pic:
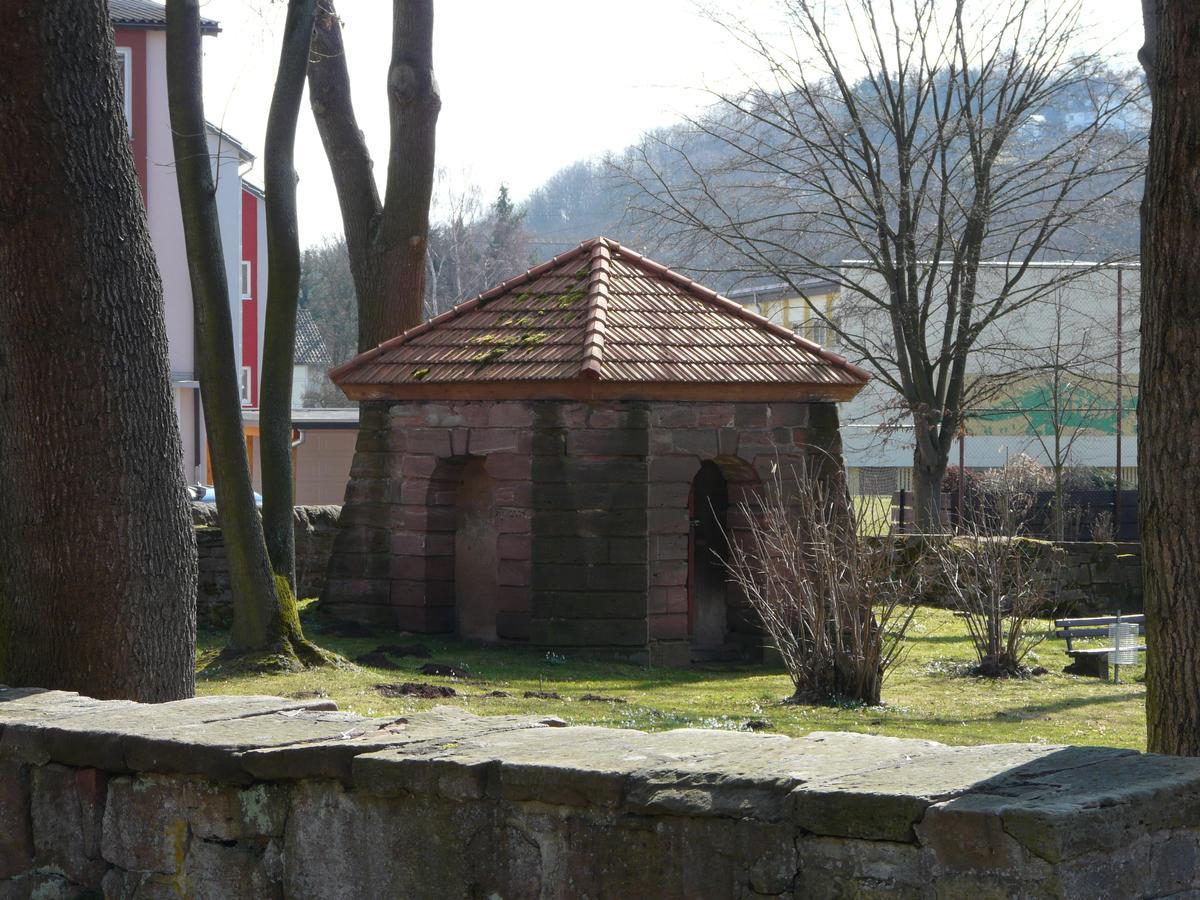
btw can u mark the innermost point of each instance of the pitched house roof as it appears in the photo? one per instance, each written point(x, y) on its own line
point(599, 321)
point(310, 345)
point(147, 14)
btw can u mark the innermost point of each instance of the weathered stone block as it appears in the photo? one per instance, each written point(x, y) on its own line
point(16, 826)
point(562, 632)
point(575, 496)
point(669, 627)
point(586, 604)
point(608, 442)
point(67, 809)
point(510, 415)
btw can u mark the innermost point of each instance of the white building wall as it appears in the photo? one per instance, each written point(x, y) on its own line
point(1088, 304)
point(166, 221)
point(226, 166)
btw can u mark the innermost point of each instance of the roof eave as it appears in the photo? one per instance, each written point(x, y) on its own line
point(592, 389)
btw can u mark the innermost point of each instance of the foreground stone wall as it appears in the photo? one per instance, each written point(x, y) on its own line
point(315, 527)
point(259, 797)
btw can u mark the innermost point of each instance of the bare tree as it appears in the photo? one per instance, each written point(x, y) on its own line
point(97, 559)
point(1168, 451)
point(912, 141)
point(386, 239)
point(266, 623)
point(473, 247)
point(1061, 386)
point(327, 292)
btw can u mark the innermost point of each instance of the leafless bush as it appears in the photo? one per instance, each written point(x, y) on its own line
point(1103, 526)
point(1009, 493)
point(836, 607)
point(999, 584)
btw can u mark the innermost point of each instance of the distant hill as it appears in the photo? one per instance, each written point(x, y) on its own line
point(601, 196)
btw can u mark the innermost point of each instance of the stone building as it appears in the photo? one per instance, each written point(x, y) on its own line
point(564, 455)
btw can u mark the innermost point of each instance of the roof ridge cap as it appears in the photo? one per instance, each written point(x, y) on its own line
point(597, 304)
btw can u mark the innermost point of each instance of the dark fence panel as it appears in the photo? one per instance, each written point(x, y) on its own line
point(1082, 509)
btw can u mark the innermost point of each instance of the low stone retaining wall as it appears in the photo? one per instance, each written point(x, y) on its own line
point(315, 530)
point(261, 797)
point(1101, 577)
point(1093, 577)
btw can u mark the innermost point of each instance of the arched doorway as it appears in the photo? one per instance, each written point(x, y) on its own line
point(475, 561)
point(708, 555)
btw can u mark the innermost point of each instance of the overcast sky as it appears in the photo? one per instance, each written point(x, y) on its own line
point(528, 86)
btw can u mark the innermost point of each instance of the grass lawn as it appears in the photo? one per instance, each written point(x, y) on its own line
point(874, 513)
point(925, 697)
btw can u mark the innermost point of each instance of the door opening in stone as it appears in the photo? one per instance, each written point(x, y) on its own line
point(708, 557)
point(475, 558)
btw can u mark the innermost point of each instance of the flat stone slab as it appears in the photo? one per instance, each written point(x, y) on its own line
point(1049, 802)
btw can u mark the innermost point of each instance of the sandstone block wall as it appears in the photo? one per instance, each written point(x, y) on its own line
point(258, 797)
point(590, 510)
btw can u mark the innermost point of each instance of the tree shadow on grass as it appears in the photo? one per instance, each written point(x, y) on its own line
point(1037, 710)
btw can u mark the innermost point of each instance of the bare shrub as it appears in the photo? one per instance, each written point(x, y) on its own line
point(836, 607)
point(1103, 526)
point(999, 584)
point(1009, 493)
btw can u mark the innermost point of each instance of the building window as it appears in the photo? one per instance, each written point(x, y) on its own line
point(245, 382)
point(125, 72)
point(246, 276)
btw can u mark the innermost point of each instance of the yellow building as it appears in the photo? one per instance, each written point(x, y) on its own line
point(794, 309)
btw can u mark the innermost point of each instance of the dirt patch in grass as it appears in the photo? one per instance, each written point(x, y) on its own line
point(416, 689)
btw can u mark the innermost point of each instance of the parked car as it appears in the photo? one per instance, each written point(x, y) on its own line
point(204, 493)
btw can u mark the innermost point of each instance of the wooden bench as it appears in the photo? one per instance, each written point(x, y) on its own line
point(1093, 661)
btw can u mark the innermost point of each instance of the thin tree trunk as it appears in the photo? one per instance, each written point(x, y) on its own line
point(283, 289)
point(265, 619)
point(98, 557)
point(387, 243)
point(1169, 407)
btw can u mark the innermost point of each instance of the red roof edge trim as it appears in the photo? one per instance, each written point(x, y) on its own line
point(597, 303)
point(739, 310)
point(462, 308)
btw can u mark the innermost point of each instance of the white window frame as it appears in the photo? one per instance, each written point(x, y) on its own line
point(244, 383)
point(246, 280)
point(125, 61)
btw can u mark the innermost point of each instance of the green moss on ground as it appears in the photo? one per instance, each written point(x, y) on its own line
point(927, 696)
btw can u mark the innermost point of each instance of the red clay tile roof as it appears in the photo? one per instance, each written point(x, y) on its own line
point(599, 321)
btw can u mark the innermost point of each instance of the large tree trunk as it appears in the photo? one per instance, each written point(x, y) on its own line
point(265, 619)
point(387, 244)
point(97, 558)
point(283, 289)
point(1169, 407)
point(929, 470)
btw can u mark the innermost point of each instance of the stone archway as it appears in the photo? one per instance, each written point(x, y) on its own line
point(475, 558)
